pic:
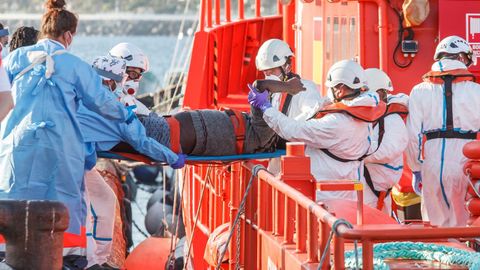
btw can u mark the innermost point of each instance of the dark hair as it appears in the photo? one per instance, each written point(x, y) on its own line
point(1, 26)
point(24, 36)
point(57, 19)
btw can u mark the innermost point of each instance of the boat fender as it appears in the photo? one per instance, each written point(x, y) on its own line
point(473, 206)
point(157, 196)
point(471, 150)
point(149, 254)
point(155, 216)
point(215, 245)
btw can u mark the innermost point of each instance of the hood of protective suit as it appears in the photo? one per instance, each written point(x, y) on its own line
point(448, 64)
point(401, 99)
point(369, 99)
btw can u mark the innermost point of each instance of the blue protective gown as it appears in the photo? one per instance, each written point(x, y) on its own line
point(102, 135)
point(42, 151)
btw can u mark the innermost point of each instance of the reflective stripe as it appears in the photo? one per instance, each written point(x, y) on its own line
point(441, 174)
point(95, 222)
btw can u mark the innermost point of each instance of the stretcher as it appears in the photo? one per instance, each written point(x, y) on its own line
point(190, 159)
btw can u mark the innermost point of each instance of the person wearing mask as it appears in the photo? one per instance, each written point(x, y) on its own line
point(6, 101)
point(384, 167)
point(42, 154)
point(274, 60)
point(3, 40)
point(443, 117)
point(101, 199)
point(23, 36)
point(137, 65)
point(337, 138)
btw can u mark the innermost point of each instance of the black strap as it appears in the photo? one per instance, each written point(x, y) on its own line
point(381, 132)
point(448, 79)
point(451, 134)
point(286, 105)
point(282, 143)
point(337, 158)
point(369, 181)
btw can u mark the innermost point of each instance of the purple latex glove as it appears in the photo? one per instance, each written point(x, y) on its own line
point(417, 183)
point(180, 162)
point(257, 99)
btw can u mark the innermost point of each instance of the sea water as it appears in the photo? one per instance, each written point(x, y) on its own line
point(159, 50)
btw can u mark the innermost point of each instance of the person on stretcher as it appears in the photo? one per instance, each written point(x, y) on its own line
point(196, 132)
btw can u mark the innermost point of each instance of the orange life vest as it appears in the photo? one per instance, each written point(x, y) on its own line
point(447, 78)
point(362, 113)
point(459, 75)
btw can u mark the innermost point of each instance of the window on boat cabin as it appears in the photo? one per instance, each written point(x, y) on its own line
point(353, 38)
point(328, 39)
point(337, 40)
point(345, 38)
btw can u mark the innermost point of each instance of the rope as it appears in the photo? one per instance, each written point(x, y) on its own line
point(207, 181)
point(418, 251)
point(335, 225)
point(139, 229)
point(241, 209)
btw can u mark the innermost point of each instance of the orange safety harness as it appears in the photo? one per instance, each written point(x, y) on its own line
point(447, 78)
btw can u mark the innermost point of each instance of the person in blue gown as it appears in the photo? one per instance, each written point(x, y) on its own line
point(42, 150)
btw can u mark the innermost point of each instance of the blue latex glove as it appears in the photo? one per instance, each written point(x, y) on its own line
point(180, 162)
point(131, 114)
point(257, 99)
point(417, 183)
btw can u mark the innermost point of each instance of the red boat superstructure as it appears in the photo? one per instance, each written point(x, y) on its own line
point(281, 226)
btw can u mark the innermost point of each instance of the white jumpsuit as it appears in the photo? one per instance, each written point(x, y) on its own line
point(302, 106)
point(385, 165)
point(444, 183)
point(341, 134)
point(101, 203)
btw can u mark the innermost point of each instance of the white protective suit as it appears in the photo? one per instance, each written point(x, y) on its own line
point(101, 203)
point(444, 183)
point(341, 134)
point(302, 106)
point(385, 165)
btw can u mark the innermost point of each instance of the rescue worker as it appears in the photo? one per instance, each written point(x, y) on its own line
point(337, 138)
point(6, 101)
point(274, 59)
point(3, 40)
point(101, 199)
point(42, 153)
point(384, 167)
point(443, 117)
point(23, 36)
point(137, 65)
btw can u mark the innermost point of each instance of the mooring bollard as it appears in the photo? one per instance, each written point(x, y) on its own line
point(33, 231)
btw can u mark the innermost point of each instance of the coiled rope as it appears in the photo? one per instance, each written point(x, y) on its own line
point(416, 251)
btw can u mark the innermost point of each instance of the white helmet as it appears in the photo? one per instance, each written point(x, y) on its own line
point(273, 53)
point(347, 72)
point(453, 45)
point(132, 54)
point(110, 68)
point(377, 79)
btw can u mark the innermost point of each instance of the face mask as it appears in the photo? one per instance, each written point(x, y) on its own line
point(272, 77)
point(118, 91)
point(131, 87)
point(69, 46)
